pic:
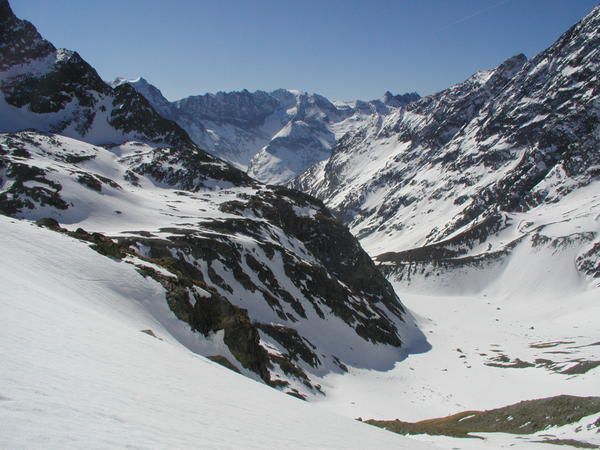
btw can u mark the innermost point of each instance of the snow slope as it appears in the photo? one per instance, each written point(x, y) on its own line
point(77, 372)
point(460, 164)
point(265, 274)
point(290, 303)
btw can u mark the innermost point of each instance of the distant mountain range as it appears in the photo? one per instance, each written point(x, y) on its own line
point(274, 136)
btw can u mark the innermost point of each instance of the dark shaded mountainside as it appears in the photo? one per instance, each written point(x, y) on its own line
point(272, 284)
point(459, 180)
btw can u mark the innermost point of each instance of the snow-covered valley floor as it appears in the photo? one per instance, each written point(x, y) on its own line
point(519, 327)
point(465, 333)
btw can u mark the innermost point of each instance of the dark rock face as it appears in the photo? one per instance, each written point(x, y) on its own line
point(61, 86)
point(71, 78)
point(187, 168)
point(353, 301)
point(20, 196)
point(207, 313)
point(589, 262)
point(339, 252)
point(132, 113)
point(243, 109)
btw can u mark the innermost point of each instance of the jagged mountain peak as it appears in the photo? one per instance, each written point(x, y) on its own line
point(399, 100)
point(20, 41)
point(150, 92)
point(512, 63)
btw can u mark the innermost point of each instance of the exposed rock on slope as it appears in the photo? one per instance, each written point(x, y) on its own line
point(523, 418)
point(290, 288)
point(55, 90)
point(95, 360)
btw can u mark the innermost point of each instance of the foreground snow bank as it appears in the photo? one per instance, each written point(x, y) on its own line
point(77, 372)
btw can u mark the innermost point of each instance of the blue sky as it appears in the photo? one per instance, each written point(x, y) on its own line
point(343, 49)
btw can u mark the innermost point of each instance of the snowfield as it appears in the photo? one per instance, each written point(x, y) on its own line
point(522, 327)
point(465, 335)
point(78, 372)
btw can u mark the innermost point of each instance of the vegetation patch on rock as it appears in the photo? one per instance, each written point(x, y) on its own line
point(525, 417)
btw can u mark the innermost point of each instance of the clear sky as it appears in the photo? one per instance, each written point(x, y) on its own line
point(343, 49)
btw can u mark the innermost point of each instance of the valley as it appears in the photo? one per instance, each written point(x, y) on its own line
point(171, 269)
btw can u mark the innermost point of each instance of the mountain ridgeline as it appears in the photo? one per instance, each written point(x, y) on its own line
point(268, 281)
point(274, 136)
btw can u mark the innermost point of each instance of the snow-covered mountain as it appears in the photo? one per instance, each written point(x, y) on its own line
point(134, 264)
point(276, 135)
point(464, 177)
point(268, 282)
point(55, 90)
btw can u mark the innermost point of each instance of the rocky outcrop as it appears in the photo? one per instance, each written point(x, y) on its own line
point(26, 42)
